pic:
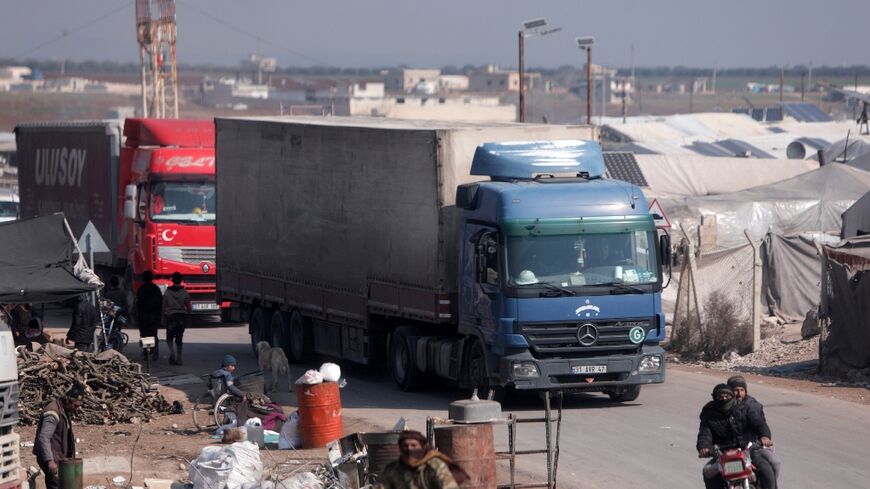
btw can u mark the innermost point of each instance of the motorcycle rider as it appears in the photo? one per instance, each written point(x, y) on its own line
point(739, 386)
point(725, 422)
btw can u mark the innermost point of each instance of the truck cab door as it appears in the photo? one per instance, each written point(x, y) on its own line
point(480, 281)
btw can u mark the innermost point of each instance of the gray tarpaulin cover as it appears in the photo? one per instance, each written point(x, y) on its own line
point(790, 278)
point(847, 305)
point(856, 219)
point(36, 262)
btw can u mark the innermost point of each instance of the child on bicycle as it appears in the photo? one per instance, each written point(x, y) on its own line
point(222, 379)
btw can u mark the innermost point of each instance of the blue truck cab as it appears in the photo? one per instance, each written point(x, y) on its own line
point(560, 273)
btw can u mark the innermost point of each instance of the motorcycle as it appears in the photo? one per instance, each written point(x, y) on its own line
point(112, 319)
point(735, 466)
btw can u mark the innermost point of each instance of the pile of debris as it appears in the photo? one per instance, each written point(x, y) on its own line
point(118, 391)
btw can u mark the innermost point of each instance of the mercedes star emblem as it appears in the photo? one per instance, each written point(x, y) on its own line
point(587, 334)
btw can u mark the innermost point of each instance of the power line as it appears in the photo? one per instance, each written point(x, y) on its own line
point(250, 34)
point(67, 33)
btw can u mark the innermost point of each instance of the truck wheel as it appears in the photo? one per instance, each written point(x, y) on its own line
point(259, 326)
point(301, 338)
point(624, 394)
point(280, 328)
point(402, 361)
point(478, 375)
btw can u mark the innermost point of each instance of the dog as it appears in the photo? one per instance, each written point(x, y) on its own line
point(275, 361)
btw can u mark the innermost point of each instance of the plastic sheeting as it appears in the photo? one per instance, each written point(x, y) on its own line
point(847, 149)
point(695, 175)
point(856, 219)
point(811, 202)
point(790, 273)
point(846, 345)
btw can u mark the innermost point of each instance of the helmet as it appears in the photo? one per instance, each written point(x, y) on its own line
point(526, 277)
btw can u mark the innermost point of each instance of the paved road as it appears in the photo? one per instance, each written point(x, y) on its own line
point(823, 442)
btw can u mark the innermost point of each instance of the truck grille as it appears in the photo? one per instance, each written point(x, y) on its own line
point(9, 458)
point(193, 255)
point(9, 404)
point(563, 340)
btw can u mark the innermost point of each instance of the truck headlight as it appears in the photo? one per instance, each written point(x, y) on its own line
point(650, 363)
point(525, 370)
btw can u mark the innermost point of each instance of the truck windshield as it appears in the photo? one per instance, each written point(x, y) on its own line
point(8, 209)
point(183, 202)
point(577, 260)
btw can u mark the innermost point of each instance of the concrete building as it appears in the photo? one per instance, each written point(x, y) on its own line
point(407, 79)
point(437, 108)
point(452, 83)
point(494, 79)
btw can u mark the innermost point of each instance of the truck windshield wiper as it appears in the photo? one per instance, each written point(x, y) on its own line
point(551, 286)
point(620, 287)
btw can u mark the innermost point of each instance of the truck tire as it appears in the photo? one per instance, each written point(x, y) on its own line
point(625, 394)
point(259, 327)
point(280, 329)
point(301, 338)
point(402, 361)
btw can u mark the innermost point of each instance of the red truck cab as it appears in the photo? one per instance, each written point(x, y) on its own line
point(167, 190)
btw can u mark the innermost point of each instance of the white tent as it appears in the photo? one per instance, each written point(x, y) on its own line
point(856, 219)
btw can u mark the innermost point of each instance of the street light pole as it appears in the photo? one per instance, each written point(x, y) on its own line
point(522, 37)
point(589, 85)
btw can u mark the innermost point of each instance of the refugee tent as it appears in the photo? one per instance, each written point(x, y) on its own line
point(847, 149)
point(845, 343)
point(38, 263)
point(790, 216)
point(856, 219)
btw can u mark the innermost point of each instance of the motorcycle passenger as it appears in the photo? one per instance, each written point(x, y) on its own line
point(724, 422)
point(738, 384)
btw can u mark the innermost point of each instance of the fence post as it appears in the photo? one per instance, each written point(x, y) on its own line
point(756, 293)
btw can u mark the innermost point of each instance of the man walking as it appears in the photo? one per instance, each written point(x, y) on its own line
point(420, 467)
point(176, 316)
point(84, 324)
point(149, 309)
point(55, 440)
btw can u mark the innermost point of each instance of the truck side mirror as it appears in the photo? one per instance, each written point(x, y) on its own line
point(665, 247)
point(130, 202)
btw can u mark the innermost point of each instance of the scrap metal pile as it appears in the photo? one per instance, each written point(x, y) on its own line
point(118, 391)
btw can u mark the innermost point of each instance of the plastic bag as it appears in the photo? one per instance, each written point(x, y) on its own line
point(310, 377)
point(330, 372)
point(290, 437)
point(210, 469)
point(253, 422)
point(305, 480)
point(247, 469)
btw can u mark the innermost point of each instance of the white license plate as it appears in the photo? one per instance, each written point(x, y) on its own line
point(589, 369)
point(205, 306)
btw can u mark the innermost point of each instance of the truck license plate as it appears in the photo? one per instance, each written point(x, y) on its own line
point(589, 369)
point(205, 306)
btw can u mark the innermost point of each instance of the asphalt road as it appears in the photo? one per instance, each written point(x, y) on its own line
point(649, 443)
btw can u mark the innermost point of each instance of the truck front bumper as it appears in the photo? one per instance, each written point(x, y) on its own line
point(576, 374)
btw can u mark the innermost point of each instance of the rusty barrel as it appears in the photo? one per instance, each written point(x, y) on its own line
point(382, 449)
point(471, 447)
point(319, 413)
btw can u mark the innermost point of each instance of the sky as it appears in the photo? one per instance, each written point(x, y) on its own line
point(374, 33)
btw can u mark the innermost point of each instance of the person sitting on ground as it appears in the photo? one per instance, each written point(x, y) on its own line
point(420, 467)
point(222, 379)
point(739, 386)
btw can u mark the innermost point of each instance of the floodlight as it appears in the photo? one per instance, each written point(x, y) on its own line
point(585, 42)
point(534, 23)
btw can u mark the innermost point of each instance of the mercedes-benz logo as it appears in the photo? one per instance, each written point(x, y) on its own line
point(587, 334)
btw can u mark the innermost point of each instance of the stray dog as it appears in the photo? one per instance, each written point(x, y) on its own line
point(275, 361)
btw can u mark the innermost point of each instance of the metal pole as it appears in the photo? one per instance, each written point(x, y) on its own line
point(803, 78)
point(781, 81)
point(692, 96)
point(589, 85)
point(622, 84)
point(756, 294)
point(522, 78)
point(91, 264)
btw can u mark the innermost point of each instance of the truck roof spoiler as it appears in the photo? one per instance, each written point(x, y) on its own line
point(182, 133)
point(524, 160)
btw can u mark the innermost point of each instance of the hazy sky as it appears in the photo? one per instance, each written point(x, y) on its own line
point(441, 32)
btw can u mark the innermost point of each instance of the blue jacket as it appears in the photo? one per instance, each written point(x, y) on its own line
point(225, 378)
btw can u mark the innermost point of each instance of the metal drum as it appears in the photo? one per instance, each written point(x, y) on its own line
point(382, 448)
point(70, 472)
point(319, 413)
point(471, 446)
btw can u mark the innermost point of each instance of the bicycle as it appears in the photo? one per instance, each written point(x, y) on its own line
point(214, 408)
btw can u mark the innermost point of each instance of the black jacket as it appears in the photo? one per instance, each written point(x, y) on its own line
point(730, 429)
point(757, 408)
point(149, 305)
point(85, 320)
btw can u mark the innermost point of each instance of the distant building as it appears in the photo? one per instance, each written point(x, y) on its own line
point(452, 83)
point(408, 79)
point(494, 79)
point(441, 108)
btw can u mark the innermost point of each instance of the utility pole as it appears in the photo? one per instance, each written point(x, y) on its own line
point(781, 81)
point(522, 37)
point(589, 85)
point(803, 76)
point(692, 97)
point(715, 67)
point(622, 84)
point(156, 37)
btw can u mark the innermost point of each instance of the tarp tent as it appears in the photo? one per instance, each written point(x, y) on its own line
point(856, 219)
point(845, 344)
point(790, 216)
point(847, 149)
point(38, 264)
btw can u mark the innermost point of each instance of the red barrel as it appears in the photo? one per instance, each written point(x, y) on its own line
point(472, 447)
point(319, 413)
